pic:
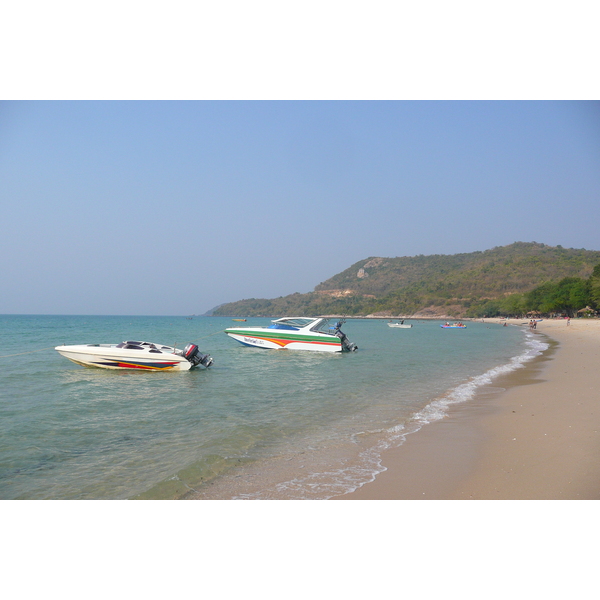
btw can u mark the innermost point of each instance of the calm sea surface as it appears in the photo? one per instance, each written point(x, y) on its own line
point(257, 424)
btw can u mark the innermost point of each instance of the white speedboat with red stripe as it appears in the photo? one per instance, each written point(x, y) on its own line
point(295, 333)
point(145, 356)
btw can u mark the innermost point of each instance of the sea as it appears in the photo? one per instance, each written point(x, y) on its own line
point(258, 424)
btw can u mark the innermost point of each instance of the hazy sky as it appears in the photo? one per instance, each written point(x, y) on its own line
point(144, 207)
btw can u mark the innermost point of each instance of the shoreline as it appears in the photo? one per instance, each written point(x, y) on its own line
point(533, 434)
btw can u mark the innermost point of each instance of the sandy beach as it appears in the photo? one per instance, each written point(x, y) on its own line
point(534, 435)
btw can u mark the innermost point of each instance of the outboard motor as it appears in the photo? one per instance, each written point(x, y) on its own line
point(193, 354)
point(347, 345)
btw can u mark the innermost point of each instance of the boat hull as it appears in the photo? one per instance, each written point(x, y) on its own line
point(279, 340)
point(119, 358)
point(399, 326)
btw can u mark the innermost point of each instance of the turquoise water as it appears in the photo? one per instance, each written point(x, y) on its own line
point(257, 424)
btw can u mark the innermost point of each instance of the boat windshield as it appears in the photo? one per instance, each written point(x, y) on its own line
point(295, 322)
point(323, 326)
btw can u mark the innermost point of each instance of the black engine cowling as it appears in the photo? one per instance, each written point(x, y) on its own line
point(193, 354)
point(347, 345)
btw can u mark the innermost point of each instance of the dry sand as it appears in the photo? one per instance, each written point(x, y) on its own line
point(535, 436)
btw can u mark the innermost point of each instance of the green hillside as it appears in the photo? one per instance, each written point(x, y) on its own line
point(454, 285)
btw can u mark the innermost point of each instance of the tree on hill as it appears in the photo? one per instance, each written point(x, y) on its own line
point(595, 287)
point(567, 296)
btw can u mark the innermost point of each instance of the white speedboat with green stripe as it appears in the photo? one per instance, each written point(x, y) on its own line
point(295, 333)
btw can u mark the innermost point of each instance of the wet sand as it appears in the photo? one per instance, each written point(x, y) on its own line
point(534, 435)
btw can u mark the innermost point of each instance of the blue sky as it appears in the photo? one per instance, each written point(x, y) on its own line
point(151, 207)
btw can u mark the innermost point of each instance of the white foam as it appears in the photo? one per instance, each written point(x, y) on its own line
point(438, 409)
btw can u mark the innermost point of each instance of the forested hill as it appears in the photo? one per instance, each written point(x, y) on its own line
point(438, 284)
point(515, 268)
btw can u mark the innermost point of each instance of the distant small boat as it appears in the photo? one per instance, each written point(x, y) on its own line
point(242, 320)
point(453, 326)
point(400, 325)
